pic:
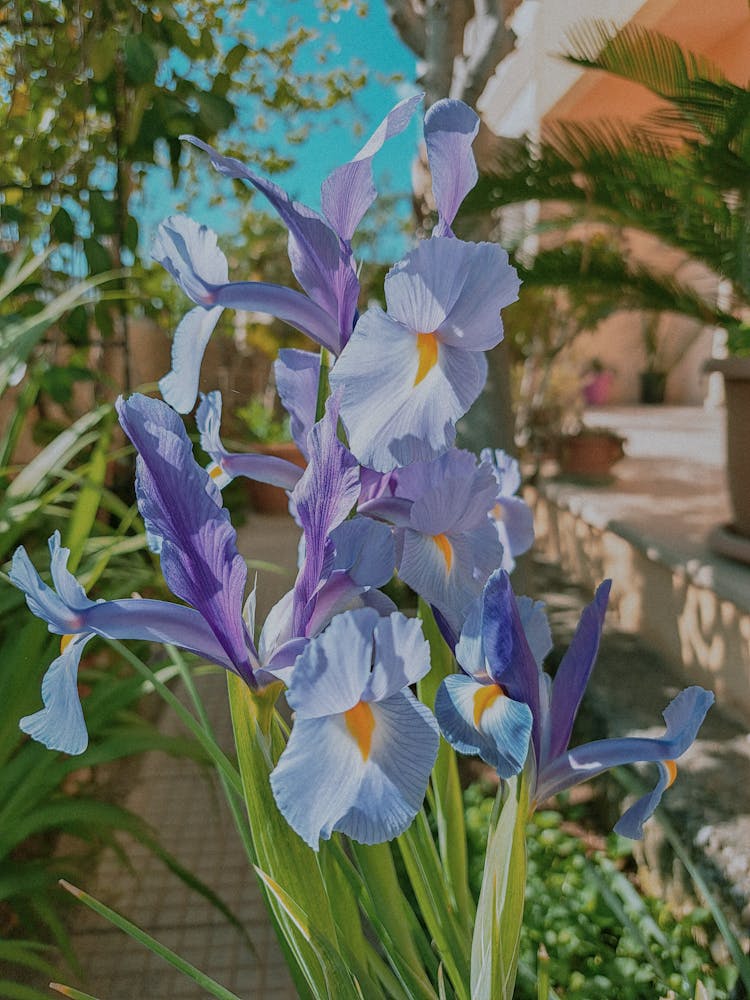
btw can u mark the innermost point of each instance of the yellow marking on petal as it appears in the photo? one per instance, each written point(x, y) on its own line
point(498, 513)
point(486, 695)
point(215, 471)
point(65, 641)
point(446, 550)
point(671, 771)
point(427, 352)
point(361, 722)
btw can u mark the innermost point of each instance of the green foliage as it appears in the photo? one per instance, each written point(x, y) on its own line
point(603, 937)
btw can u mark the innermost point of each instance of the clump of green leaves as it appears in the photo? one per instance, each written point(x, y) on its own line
point(603, 937)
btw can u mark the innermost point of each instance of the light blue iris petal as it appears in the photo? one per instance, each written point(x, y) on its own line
point(517, 521)
point(536, 627)
point(454, 288)
point(348, 191)
point(208, 422)
point(469, 648)
point(66, 585)
point(179, 387)
point(60, 725)
point(391, 421)
point(190, 252)
point(630, 824)
point(506, 469)
point(316, 779)
point(402, 657)
point(502, 739)
point(450, 128)
point(331, 673)
point(41, 599)
point(394, 778)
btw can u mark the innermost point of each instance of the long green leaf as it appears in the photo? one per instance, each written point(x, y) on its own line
point(497, 933)
point(280, 853)
point(186, 968)
point(87, 503)
point(447, 801)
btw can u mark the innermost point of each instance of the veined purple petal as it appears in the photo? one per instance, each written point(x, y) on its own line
point(59, 725)
point(683, 717)
point(297, 374)
point(323, 497)
point(495, 728)
point(179, 386)
point(574, 671)
point(392, 416)
point(191, 254)
point(229, 464)
point(199, 557)
point(348, 191)
point(450, 128)
point(453, 289)
point(510, 660)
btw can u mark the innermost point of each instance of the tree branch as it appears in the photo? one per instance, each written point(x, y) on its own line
point(407, 17)
point(487, 41)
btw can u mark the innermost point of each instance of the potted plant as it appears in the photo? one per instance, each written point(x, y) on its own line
point(590, 453)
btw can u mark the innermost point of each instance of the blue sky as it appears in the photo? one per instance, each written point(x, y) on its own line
point(332, 140)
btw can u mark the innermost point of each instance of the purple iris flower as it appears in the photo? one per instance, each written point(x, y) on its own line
point(408, 374)
point(446, 544)
point(512, 516)
point(343, 559)
point(320, 245)
point(362, 747)
point(226, 465)
point(501, 650)
point(192, 256)
point(71, 614)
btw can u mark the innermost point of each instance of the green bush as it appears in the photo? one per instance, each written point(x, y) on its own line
point(604, 939)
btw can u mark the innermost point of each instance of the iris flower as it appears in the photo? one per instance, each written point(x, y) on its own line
point(505, 704)
point(226, 465)
point(343, 559)
point(408, 374)
point(319, 251)
point(512, 516)
point(191, 254)
point(181, 507)
point(362, 747)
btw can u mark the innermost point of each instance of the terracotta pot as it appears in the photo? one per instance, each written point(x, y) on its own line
point(736, 372)
point(590, 454)
point(267, 499)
